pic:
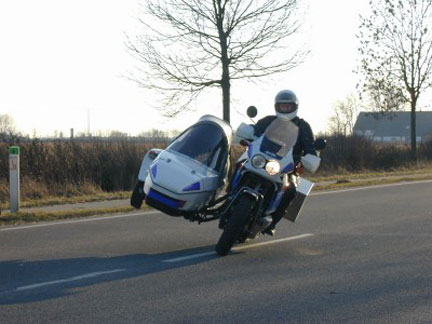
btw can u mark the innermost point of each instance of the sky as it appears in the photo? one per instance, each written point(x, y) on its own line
point(62, 66)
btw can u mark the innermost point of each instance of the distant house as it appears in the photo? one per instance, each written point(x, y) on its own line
point(394, 126)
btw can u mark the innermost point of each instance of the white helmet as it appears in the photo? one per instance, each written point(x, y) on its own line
point(286, 104)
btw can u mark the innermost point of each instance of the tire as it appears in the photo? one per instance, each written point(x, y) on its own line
point(235, 224)
point(138, 195)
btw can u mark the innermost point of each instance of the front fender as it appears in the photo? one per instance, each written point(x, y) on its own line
point(250, 192)
point(247, 191)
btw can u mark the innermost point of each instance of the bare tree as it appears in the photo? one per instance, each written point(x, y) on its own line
point(7, 124)
point(383, 97)
point(191, 45)
point(344, 116)
point(155, 133)
point(396, 54)
point(117, 134)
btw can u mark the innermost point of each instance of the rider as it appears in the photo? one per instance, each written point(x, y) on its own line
point(286, 106)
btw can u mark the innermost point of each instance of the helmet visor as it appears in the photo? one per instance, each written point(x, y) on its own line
point(286, 107)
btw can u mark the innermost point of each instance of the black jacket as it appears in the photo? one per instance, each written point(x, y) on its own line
point(305, 140)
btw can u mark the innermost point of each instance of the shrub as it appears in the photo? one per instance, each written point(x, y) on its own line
point(356, 153)
point(108, 165)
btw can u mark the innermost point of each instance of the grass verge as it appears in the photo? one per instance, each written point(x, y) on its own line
point(369, 174)
point(23, 217)
point(346, 183)
point(51, 200)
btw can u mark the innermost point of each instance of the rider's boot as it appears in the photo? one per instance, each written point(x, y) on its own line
point(276, 217)
point(270, 230)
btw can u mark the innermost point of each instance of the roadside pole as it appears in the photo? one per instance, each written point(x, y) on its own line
point(14, 178)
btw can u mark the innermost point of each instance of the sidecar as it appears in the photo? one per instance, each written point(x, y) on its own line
point(191, 171)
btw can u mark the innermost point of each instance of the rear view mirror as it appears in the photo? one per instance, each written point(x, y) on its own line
point(252, 111)
point(320, 144)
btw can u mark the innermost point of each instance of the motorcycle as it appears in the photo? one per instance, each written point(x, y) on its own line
point(190, 177)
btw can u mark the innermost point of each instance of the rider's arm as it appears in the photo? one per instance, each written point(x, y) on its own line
point(307, 139)
point(310, 159)
point(262, 124)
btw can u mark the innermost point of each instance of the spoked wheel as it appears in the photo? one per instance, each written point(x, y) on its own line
point(234, 226)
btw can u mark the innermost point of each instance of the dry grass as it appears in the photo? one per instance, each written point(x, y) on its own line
point(60, 167)
point(53, 200)
point(34, 194)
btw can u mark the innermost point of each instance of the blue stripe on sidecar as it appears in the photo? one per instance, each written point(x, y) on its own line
point(173, 203)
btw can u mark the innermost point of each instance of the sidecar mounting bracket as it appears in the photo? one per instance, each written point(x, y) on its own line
point(206, 214)
point(201, 217)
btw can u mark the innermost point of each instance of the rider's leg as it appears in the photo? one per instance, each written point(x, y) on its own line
point(280, 210)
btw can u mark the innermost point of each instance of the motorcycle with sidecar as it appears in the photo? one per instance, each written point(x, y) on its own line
point(190, 178)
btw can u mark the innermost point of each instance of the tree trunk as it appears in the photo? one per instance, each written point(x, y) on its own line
point(226, 79)
point(413, 131)
point(226, 88)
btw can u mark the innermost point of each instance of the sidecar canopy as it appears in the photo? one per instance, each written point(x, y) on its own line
point(207, 142)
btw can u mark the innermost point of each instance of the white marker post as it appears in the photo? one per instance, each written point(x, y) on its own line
point(14, 178)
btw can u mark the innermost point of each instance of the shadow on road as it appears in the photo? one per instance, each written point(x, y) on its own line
point(23, 282)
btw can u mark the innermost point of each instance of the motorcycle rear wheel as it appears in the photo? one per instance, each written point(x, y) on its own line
point(235, 225)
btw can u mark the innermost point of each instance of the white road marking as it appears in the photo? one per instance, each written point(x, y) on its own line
point(238, 248)
point(84, 276)
point(73, 221)
point(297, 237)
point(187, 257)
point(319, 193)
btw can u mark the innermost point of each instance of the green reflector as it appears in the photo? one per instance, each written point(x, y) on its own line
point(14, 150)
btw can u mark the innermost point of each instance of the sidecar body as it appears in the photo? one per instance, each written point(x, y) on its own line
point(191, 171)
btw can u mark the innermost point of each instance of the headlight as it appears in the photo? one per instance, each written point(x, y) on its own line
point(273, 167)
point(258, 161)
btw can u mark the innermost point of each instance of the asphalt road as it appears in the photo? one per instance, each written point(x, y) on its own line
point(355, 256)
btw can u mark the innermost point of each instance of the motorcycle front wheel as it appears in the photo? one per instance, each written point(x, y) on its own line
point(235, 225)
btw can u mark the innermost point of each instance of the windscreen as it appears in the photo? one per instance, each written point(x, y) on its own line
point(205, 143)
point(279, 137)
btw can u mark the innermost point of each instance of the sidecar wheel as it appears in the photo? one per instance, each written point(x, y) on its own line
point(138, 195)
point(235, 224)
